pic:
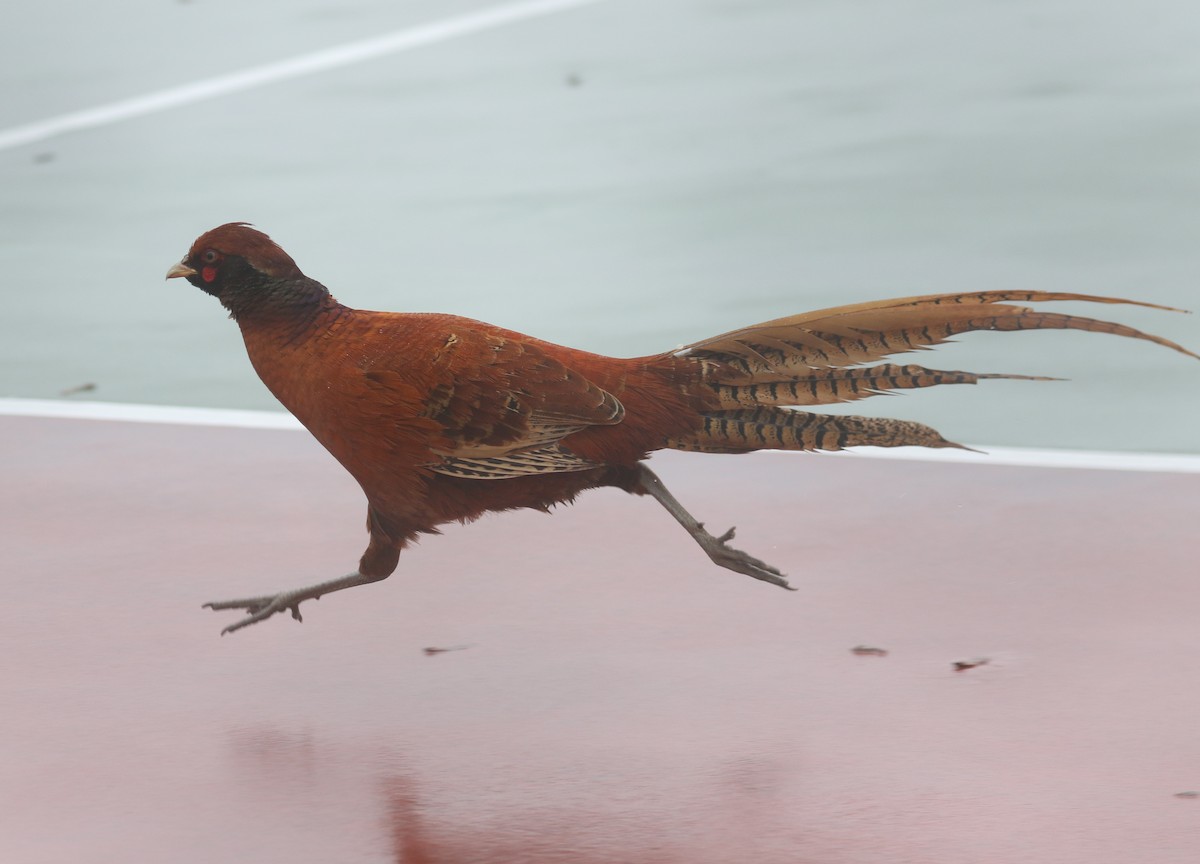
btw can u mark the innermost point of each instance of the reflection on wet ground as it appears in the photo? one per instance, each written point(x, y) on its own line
point(708, 823)
point(620, 700)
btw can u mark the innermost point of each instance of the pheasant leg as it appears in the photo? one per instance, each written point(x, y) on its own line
point(717, 548)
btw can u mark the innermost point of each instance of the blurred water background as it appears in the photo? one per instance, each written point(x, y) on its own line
point(623, 177)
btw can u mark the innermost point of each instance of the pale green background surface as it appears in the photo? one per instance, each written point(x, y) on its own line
point(718, 163)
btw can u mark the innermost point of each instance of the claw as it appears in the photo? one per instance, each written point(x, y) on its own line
point(259, 608)
point(726, 556)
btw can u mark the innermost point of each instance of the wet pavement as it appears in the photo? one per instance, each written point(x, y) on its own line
point(609, 695)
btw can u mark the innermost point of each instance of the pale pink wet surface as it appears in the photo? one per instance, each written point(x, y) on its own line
point(618, 698)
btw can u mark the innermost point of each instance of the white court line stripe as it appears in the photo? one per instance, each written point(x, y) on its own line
point(130, 413)
point(1029, 457)
point(1181, 463)
point(305, 64)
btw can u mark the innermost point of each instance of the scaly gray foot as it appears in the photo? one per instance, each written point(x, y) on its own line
point(262, 608)
point(724, 555)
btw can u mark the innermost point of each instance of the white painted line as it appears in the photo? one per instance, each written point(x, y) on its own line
point(129, 413)
point(1180, 463)
point(305, 64)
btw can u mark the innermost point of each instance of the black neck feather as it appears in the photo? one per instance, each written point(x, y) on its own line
point(250, 294)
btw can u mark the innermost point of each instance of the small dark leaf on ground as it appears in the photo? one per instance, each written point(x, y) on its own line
point(964, 665)
point(430, 652)
point(868, 651)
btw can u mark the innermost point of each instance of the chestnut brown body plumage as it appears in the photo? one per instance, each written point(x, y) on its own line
point(441, 418)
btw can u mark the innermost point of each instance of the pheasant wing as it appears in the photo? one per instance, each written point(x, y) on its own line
point(505, 407)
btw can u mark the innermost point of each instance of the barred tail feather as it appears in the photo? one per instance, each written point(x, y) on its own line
point(833, 385)
point(748, 378)
point(744, 431)
point(788, 349)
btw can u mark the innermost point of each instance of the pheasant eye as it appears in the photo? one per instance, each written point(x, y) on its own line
point(210, 258)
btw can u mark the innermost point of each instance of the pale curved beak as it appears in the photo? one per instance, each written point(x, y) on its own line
point(179, 270)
